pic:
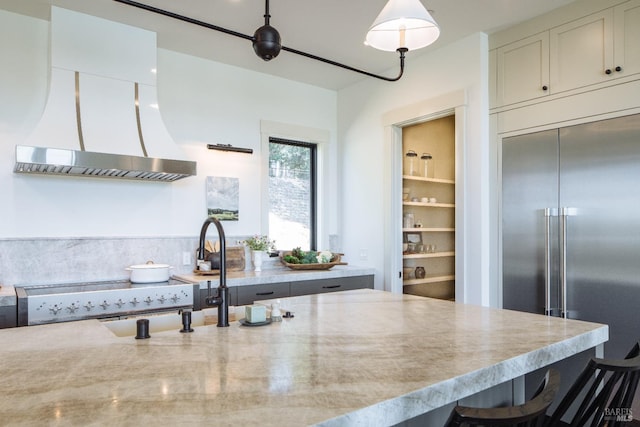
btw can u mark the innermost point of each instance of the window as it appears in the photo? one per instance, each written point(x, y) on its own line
point(292, 194)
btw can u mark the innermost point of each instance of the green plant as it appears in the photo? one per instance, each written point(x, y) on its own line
point(259, 243)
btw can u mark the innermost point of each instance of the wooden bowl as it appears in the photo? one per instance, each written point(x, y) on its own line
point(315, 266)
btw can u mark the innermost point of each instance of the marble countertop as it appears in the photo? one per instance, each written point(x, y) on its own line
point(360, 357)
point(281, 274)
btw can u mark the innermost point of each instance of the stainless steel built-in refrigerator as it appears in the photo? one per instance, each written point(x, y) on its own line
point(571, 225)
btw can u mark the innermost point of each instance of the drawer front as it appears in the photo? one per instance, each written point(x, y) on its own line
point(8, 316)
point(250, 294)
point(308, 287)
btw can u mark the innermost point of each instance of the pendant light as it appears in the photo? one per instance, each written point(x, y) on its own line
point(266, 39)
point(402, 25)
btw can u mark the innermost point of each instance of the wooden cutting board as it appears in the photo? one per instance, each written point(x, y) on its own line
point(235, 260)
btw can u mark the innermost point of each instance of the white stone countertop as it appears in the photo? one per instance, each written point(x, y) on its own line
point(360, 357)
point(277, 275)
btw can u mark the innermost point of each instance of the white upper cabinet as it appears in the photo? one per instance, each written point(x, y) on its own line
point(597, 49)
point(627, 38)
point(523, 69)
point(581, 52)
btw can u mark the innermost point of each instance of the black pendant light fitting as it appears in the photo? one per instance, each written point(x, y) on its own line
point(266, 39)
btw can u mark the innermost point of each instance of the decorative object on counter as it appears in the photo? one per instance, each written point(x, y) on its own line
point(411, 163)
point(259, 245)
point(255, 313)
point(256, 257)
point(244, 322)
point(204, 266)
point(391, 31)
point(420, 273)
point(298, 259)
point(149, 273)
point(223, 198)
point(235, 259)
point(276, 314)
point(426, 165)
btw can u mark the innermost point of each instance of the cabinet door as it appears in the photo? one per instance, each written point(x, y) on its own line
point(523, 69)
point(581, 52)
point(251, 293)
point(627, 35)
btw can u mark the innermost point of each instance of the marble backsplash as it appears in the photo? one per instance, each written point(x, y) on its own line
point(59, 260)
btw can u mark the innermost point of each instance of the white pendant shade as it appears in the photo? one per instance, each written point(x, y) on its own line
point(403, 23)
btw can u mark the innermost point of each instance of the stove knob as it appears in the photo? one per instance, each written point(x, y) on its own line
point(73, 307)
point(134, 301)
point(175, 298)
point(55, 309)
point(119, 303)
point(105, 304)
point(148, 300)
point(162, 299)
point(89, 306)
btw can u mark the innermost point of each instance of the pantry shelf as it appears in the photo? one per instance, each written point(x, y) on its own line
point(428, 230)
point(420, 178)
point(428, 279)
point(429, 255)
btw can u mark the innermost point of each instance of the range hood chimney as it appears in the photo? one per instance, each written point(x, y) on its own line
point(101, 117)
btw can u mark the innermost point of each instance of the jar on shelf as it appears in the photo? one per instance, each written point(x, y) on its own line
point(411, 166)
point(408, 220)
point(426, 165)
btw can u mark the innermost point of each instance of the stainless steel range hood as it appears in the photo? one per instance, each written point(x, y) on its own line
point(101, 117)
point(56, 161)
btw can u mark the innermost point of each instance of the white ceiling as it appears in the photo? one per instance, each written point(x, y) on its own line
point(333, 29)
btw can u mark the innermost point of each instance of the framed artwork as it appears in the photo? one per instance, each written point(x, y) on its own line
point(223, 198)
point(413, 237)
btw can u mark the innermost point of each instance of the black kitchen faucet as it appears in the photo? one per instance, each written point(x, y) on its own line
point(221, 298)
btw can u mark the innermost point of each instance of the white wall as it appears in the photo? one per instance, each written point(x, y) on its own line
point(200, 101)
point(460, 66)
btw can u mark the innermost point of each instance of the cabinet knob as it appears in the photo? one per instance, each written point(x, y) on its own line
point(544, 87)
point(618, 68)
point(608, 71)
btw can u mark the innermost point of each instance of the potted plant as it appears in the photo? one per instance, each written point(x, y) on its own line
point(258, 246)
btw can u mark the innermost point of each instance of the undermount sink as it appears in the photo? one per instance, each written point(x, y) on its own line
point(164, 322)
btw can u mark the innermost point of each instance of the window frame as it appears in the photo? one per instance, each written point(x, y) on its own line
point(313, 184)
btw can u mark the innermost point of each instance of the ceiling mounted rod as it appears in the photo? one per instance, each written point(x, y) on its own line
point(401, 50)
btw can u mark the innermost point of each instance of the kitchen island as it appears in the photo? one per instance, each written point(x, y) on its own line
point(359, 357)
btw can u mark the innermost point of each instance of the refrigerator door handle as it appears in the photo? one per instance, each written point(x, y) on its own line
point(548, 213)
point(564, 214)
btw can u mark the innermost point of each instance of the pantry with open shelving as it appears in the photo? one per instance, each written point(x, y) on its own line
point(428, 208)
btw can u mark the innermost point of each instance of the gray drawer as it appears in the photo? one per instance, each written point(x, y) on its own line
point(308, 287)
point(249, 294)
point(8, 316)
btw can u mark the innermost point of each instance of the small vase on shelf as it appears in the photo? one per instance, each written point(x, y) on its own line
point(257, 260)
